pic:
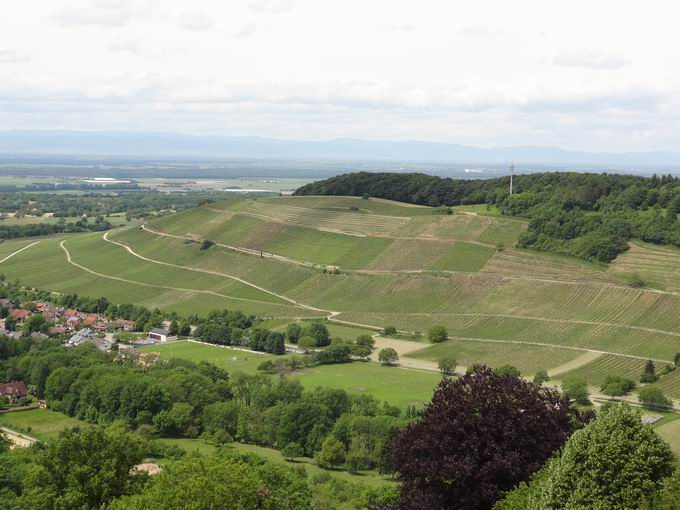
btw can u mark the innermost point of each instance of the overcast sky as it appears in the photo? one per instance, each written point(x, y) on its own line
point(579, 74)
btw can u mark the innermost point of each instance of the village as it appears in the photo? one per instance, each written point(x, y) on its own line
point(73, 328)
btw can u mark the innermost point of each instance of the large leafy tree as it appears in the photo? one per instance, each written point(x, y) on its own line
point(480, 436)
point(615, 463)
point(82, 469)
point(225, 481)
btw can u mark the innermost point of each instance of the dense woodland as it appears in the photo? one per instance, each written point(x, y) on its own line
point(591, 216)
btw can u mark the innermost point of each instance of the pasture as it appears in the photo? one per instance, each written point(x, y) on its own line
point(42, 424)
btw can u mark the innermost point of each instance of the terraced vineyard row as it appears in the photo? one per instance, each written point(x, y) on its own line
point(494, 355)
point(657, 266)
point(525, 263)
point(595, 372)
point(333, 221)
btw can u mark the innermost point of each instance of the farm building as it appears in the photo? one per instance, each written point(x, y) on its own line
point(161, 335)
point(13, 391)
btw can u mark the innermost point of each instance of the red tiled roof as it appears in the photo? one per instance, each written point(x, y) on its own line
point(15, 388)
point(20, 313)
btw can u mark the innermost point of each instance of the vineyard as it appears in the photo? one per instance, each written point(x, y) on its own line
point(501, 306)
point(655, 266)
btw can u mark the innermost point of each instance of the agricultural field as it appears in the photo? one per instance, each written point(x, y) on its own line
point(114, 219)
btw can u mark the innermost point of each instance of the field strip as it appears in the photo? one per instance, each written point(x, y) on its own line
point(542, 344)
point(561, 321)
point(575, 363)
point(19, 251)
point(215, 273)
point(155, 286)
point(247, 251)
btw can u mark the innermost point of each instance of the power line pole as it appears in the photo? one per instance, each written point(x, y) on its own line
point(512, 175)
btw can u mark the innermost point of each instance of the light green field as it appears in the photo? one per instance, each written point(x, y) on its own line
point(42, 424)
point(670, 431)
point(398, 386)
point(229, 359)
point(467, 353)
point(465, 257)
point(483, 209)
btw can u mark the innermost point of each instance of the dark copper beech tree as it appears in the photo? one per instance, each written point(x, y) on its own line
point(480, 436)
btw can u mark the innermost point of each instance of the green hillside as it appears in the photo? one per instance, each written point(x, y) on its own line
point(399, 265)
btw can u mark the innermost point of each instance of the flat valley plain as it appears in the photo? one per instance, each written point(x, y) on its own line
point(372, 263)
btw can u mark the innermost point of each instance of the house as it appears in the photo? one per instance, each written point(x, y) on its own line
point(123, 324)
point(161, 335)
point(73, 323)
point(19, 314)
point(90, 319)
point(81, 336)
point(101, 343)
point(13, 391)
point(57, 330)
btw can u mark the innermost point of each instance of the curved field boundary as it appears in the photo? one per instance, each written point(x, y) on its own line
point(215, 273)
point(18, 251)
point(543, 344)
point(557, 320)
point(153, 285)
point(239, 249)
point(582, 360)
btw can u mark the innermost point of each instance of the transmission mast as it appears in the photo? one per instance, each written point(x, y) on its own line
point(512, 175)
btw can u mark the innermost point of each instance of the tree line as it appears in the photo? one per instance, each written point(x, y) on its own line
point(591, 216)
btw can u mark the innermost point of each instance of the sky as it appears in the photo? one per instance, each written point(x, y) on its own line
point(595, 75)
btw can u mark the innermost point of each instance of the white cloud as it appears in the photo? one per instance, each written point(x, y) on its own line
point(271, 5)
point(488, 72)
point(13, 56)
point(246, 30)
point(591, 59)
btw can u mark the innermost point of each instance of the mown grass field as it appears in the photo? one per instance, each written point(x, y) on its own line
point(398, 386)
point(42, 424)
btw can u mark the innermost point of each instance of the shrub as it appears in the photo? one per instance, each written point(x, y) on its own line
point(654, 398)
point(437, 334)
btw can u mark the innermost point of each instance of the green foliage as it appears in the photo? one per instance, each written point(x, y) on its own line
point(437, 334)
point(649, 375)
point(653, 398)
point(615, 463)
point(82, 469)
point(388, 356)
point(332, 453)
point(541, 376)
point(292, 450)
point(575, 389)
point(206, 244)
point(293, 332)
point(508, 370)
point(616, 386)
point(226, 481)
point(391, 331)
point(307, 343)
point(319, 332)
point(447, 366)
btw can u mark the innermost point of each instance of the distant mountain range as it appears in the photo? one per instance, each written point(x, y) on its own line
point(173, 145)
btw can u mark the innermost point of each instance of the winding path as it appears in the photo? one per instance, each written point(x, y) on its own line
point(152, 285)
point(18, 251)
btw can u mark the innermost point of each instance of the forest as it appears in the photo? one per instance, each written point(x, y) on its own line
point(591, 216)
